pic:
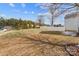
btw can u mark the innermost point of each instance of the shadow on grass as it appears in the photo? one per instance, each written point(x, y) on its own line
point(52, 32)
point(57, 33)
point(54, 44)
point(49, 42)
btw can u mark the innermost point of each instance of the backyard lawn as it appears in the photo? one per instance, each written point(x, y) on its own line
point(33, 42)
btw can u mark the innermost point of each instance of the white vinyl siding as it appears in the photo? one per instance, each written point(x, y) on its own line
point(71, 24)
point(78, 24)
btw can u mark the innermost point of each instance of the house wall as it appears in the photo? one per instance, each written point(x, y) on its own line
point(71, 24)
point(78, 24)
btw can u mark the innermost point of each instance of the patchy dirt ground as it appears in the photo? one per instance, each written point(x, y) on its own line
point(32, 43)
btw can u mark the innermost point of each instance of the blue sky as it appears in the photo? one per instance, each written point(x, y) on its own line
point(28, 11)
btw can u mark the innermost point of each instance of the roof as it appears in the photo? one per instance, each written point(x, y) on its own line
point(72, 15)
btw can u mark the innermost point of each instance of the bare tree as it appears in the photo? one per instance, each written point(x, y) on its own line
point(56, 9)
point(41, 19)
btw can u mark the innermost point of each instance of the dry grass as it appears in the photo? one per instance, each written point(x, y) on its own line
point(31, 42)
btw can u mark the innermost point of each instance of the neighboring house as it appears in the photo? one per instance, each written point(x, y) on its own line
point(72, 22)
point(7, 28)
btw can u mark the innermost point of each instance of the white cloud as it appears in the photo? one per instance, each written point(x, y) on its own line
point(16, 10)
point(32, 12)
point(2, 15)
point(45, 14)
point(39, 13)
point(11, 4)
point(23, 5)
point(42, 5)
point(25, 12)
